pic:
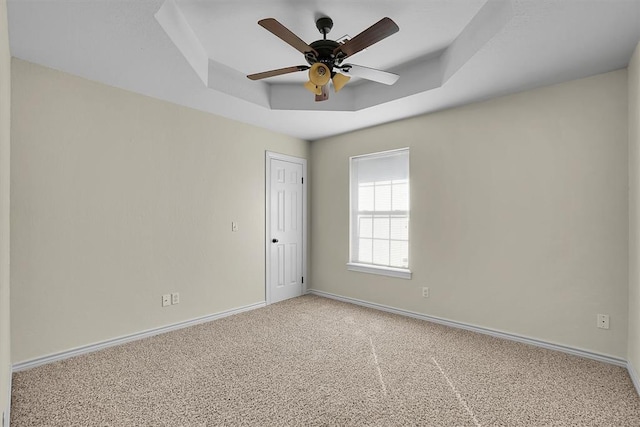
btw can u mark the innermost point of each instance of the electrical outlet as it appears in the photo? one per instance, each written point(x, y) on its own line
point(425, 292)
point(166, 300)
point(175, 298)
point(234, 226)
point(603, 321)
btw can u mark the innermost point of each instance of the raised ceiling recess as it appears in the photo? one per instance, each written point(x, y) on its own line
point(225, 71)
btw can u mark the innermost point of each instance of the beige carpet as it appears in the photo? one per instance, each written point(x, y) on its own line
point(314, 361)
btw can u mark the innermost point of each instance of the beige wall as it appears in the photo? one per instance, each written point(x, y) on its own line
point(5, 121)
point(633, 354)
point(117, 199)
point(519, 214)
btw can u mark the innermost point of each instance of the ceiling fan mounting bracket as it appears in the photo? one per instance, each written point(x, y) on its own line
point(324, 25)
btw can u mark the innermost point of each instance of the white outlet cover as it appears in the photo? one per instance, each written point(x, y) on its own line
point(603, 321)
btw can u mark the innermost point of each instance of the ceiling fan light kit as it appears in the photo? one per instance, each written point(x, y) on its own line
point(325, 56)
point(339, 80)
point(316, 90)
point(319, 74)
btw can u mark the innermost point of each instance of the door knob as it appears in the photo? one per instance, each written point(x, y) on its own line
point(275, 240)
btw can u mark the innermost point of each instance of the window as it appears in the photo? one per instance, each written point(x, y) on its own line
point(379, 226)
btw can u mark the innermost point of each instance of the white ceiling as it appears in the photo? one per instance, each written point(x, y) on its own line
point(435, 25)
point(447, 52)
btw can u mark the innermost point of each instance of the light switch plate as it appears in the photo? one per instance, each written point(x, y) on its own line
point(166, 300)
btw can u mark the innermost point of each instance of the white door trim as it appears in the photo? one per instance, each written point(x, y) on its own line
point(267, 238)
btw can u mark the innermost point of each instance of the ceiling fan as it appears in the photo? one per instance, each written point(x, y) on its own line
point(325, 56)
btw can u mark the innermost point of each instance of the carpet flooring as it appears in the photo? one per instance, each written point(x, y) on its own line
point(313, 361)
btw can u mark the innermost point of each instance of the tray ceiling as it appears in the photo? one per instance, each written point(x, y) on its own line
point(447, 52)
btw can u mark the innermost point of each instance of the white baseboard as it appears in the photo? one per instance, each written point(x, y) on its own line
point(499, 334)
point(151, 332)
point(634, 377)
point(21, 366)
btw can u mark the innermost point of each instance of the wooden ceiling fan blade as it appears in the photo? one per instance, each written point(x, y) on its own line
point(279, 30)
point(324, 95)
point(278, 72)
point(372, 74)
point(378, 31)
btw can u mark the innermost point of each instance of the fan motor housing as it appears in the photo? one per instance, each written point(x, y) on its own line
point(325, 49)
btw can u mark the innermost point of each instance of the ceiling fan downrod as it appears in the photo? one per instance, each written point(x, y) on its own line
point(324, 25)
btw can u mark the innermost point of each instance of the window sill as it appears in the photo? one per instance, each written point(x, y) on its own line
point(401, 273)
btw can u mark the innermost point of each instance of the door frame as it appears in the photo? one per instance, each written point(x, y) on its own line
point(269, 155)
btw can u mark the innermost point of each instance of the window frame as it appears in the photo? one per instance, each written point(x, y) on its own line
point(385, 270)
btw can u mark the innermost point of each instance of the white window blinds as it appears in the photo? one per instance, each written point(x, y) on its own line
point(380, 209)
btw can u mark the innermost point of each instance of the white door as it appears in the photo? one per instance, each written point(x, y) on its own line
point(285, 227)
